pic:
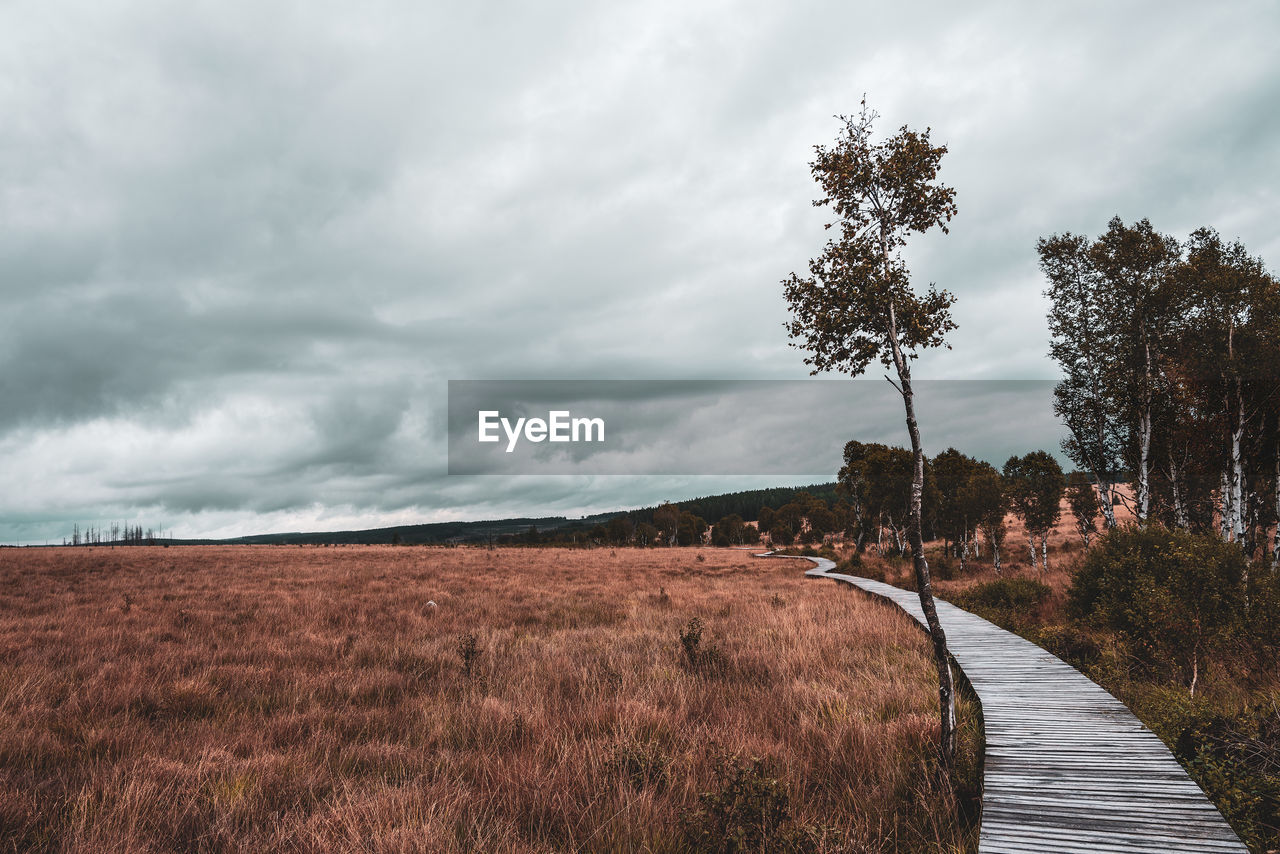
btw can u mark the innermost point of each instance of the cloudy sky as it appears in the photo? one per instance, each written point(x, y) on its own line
point(243, 247)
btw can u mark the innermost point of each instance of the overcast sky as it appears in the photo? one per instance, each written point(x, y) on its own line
point(244, 246)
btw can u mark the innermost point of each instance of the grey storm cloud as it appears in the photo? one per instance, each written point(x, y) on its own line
point(244, 246)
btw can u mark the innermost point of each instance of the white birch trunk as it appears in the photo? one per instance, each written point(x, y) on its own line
point(1108, 507)
point(941, 655)
point(1275, 542)
point(1144, 468)
point(1179, 508)
point(1224, 507)
point(1237, 479)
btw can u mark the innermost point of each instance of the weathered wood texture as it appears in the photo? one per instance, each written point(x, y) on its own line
point(1068, 767)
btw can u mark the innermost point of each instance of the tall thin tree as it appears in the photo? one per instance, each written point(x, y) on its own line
point(857, 304)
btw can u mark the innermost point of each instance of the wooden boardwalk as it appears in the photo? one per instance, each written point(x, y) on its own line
point(1068, 767)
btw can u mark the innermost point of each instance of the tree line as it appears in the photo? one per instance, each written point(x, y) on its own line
point(746, 504)
point(965, 502)
point(962, 498)
point(117, 533)
point(1170, 353)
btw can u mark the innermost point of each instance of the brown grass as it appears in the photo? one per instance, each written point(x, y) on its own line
point(309, 699)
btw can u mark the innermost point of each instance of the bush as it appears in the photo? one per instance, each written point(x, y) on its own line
point(851, 565)
point(1007, 602)
point(1081, 647)
point(691, 641)
point(1264, 605)
point(1236, 759)
point(708, 659)
point(748, 812)
point(641, 763)
point(942, 568)
point(1171, 596)
point(781, 535)
point(468, 652)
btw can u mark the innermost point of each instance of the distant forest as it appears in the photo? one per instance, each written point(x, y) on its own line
point(548, 528)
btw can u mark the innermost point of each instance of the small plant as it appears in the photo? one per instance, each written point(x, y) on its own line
point(749, 810)
point(706, 659)
point(126, 603)
point(641, 763)
point(468, 651)
point(701, 558)
point(691, 641)
point(778, 602)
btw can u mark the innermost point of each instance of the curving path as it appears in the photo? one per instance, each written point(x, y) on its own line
point(1068, 767)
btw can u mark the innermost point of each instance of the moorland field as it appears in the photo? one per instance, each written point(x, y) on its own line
point(276, 698)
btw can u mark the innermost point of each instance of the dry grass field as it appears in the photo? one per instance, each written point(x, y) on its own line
point(311, 699)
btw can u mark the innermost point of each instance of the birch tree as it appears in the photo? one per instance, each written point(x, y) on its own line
point(1035, 484)
point(1110, 324)
point(986, 496)
point(1085, 507)
point(951, 472)
point(1081, 343)
point(858, 305)
point(1228, 325)
point(1136, 262)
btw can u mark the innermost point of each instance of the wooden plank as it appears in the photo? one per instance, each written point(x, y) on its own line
point(1067, 767)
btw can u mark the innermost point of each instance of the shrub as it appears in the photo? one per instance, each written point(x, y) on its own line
point(708, 659)
point(641, 764)
point(781, 535)
point(1008, 602)
point(468, 652)
point(1236, 758)
point(749, 811)
point(942, 568)
point(1172, 596)
point(1083, 648)
point(1264, 604)
point(691, 640)
point(852, 565)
